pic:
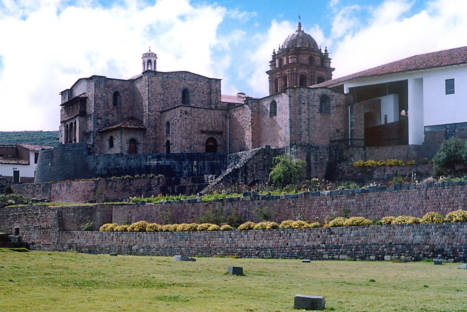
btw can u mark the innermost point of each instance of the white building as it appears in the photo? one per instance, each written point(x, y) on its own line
point(21, 158)
point(413, 97)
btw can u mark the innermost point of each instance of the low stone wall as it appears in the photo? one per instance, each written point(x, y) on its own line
point(110, 189)
point(411, 242)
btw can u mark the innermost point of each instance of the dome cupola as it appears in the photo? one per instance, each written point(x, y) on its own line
point(299, 39)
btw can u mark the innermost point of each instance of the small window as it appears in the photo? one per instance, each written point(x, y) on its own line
point(324, 104)
point(111, 142)
point(185, 97)
point(273, 109)
point(281, 62)
point(450, 86)
point(167, 128)
point(310, 60)
point(116, 98)
point(302, 81)
point(36, 157)
point(276, 85)
point(167, 147)
point(284, 83)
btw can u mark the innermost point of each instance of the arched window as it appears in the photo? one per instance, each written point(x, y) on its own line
point(281, 62)
point(324, 104)
point(116, 98)
point(276, 85)
point(272, 109)
point(167, 128)
point(284, 83)
point(149, 65)
point(302, 81)
point(74, 132)
point(132, 147)
point(185, 97)
point(71, 132)
point(211, 145)
point(111, 142)
point(66, 134)
point(310, 60)
point(319, 80)
point(167, 147)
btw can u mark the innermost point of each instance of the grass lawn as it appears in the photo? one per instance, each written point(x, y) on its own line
point(68, 281)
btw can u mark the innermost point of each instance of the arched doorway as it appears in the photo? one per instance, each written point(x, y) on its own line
point(167, 147)
point(211, 145)
point(132, 148)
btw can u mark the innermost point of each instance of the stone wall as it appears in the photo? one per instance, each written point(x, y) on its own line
point(72, 161)
point(407, 242)
point(110, 189)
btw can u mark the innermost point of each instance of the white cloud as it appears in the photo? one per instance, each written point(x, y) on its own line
point(46, 46)
point(394, 32)
point(261, 55)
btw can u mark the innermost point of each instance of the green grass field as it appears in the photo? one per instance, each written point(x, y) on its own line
point(68, 281)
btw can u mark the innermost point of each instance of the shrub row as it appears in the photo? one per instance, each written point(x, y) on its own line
point(143, 226)
point(387, 162)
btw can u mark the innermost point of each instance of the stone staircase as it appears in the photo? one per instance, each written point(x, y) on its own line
point(246, 167)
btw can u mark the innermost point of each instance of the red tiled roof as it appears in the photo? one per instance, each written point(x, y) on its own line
point(126, 124)
point(449, 57)
point(227, 98)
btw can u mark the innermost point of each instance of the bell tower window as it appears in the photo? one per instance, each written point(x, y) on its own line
point(116, 98)
point(185, 97)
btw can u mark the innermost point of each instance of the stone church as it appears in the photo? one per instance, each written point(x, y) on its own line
point(183, 112)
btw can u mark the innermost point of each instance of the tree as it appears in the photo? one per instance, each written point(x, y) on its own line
point(286, 171)
point(451, 155)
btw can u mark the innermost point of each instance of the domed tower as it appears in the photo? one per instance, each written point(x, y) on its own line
point(149, 60)
point(298, 63)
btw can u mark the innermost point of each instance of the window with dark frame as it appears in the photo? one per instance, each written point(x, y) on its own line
point(450, 89)
point(111, 142)
point(324, 104)
point(273, 109)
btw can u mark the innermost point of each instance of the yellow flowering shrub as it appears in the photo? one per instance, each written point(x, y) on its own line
point(286, 224)
point(108, 227)
point(246, 226)
point(300, 224)
point(169, 228)
point(339, 221)
point(204, 226)
point(139, 226)
point(359, 163)
point(413, 220)
point(122, 228)
point(456, 216)
point(401, 220)
point(356, 221)
point(432, 217)
point(213, 227)
point(315, 225)
point(387, 220)
point(226, 227)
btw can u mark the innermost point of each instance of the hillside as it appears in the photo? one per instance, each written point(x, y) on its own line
point(29, 137)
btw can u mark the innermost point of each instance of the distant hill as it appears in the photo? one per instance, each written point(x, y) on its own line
point(49, 138)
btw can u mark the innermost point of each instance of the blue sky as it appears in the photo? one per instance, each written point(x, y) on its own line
point(46, 45)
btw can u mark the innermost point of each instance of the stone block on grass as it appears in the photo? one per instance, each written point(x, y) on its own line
point(309, 302)
point(183, 258)
point(235, 270)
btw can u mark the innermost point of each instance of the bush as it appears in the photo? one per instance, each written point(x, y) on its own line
point(139, 226)
point(299, 224)
point(450, 154)
point(432, 217)
point(357, 221)
point(315, 225)
point(204, 226)
point(153, 227)
point(266, 225)
point(401, 220)
point(387, 220)
point(456, 216)
point(339, 221)
point(246, 226)
point(286, 224)
point(122, 228)
point(413, 220)
point(108, 227)
point(286, 171)
point(226, 227)
point(90, 226)
point(214, 227)
point(169, 227)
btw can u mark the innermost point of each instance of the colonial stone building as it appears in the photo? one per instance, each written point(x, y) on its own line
point(183, 112)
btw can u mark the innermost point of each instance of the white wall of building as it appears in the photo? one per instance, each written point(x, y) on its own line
point(428, 103)
point(390, 108)
point(439, 107)
point(27, 171)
